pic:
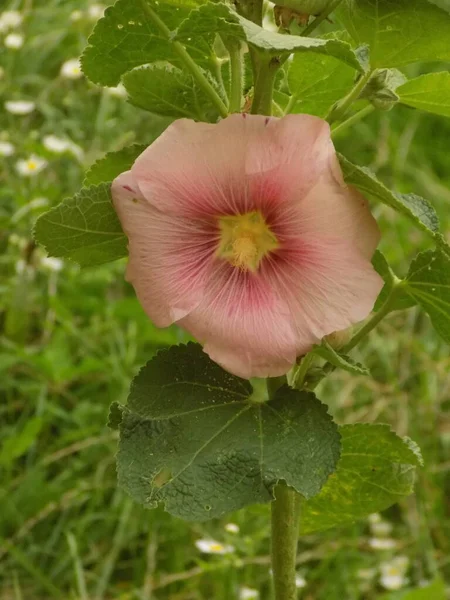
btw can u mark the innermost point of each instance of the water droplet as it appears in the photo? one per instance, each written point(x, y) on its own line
point(433, 289)
point(120, 26)
point(131, 23)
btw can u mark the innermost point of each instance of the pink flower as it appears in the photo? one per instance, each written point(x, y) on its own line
point(244, 233)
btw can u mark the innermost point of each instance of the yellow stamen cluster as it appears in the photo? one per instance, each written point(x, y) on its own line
point(245, 240)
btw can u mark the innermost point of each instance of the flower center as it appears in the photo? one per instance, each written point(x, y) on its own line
point(245, 240)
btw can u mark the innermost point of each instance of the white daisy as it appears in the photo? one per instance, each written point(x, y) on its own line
point(246, 593)
point(76, 15)
point(382, 543)
point(6, 149)
point(213, 547)
point(95, 11)
point(9, 19)
point(30, 166)
point(14, 41)
point(381, 529)
point(71, 69)
point(231, 528)
point(52, 264)
point(118, 91)
point(20, 107)
point(392, 574)
point(55, 144)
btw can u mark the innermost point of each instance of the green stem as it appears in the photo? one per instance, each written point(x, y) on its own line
point(320, 18)
point(353, 119)
point(300, 375)
point(339, 110)
point(264, 76)
point(185, 57)
point(234, 51)
point(285, 518)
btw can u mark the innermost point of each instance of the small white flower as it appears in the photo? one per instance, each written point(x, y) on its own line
point(374, 518)
point(382, 543)
point(55, 144)
point(118, 92)
point(20, 107)
point(14, 41)
point(76, 15)
point(381, 529)
point(52, 264)
point(246, 593)
point(213, 547)
point(231, 528)
point(6, 149)
point(393, 573)
point(300, 582)
point(95, 11)
point(30, 166)
point(71, 69)
point(9, 19)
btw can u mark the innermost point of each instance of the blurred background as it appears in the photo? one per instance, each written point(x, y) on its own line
point(71, 340)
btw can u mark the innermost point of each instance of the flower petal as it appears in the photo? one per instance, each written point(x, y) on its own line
point(169, 257)
point(239, 165)
point(244, 324)
point(328, 285)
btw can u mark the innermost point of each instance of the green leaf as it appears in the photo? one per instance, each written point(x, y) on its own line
point(430, 92)
point(398, 32)
point(341, 361)
point(416, 208)
point(194, 437)
point(220, 18)
point(84, 228)
point(428, 283)
point(434, 591)
point(127, 37)
point(376, 469)
point(168, 91)
point(113, 164)
point(317, 82)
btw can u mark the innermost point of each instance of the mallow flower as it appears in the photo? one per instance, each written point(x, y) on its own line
point(245, 234)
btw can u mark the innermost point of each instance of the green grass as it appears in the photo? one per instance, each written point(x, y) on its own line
point(70, 342)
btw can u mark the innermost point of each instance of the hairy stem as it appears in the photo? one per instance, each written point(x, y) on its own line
point(320, 18)
point(190, 64)
point(339, 110)
point(237, 80)
point(264, 75)
point(285, 518)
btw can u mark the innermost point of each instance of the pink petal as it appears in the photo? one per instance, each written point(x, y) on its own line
point(169, 257)
point(327, 283)
point(239, 165)
point(244, 324)
point(330, 210)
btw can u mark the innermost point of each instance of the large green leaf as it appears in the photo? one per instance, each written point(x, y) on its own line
point(194, 437)
point(416, 208)
point(398, 32)
point(428, 283)
point(84, 228)
point(376, 469)
point(316, 82)
point(430, 92)
point(113, 164)
point(127, 37)
point(220, 18)
point(168, 91)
